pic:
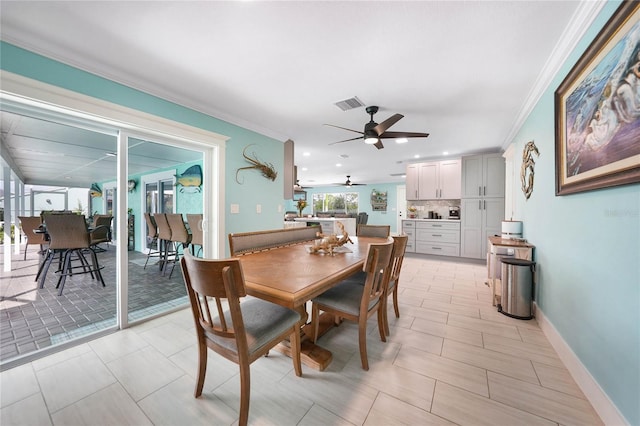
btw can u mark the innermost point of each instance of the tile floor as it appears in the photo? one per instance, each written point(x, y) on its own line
point(450, 359)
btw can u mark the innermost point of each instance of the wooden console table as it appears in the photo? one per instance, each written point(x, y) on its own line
point(497, 248)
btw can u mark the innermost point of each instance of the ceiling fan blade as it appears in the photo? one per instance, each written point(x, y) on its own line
point(346, 140)
point(344, 128)
point(378, 144)
point(394, 135)
point(382, 127)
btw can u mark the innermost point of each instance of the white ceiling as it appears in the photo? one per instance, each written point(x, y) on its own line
point(464, 71)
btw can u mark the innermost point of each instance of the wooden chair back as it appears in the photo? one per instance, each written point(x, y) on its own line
point(382, 231)
point(397, 257)
point(251, 242)
point(377, 267)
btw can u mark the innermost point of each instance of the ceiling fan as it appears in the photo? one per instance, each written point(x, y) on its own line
point(348, 183)
point(299, 187)
point(373, 131)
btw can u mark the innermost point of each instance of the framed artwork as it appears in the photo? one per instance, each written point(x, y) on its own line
point(299, 195)
point(597, 110)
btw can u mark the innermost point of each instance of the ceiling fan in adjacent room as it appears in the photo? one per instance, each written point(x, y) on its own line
point(348, 183)
point(373, 131)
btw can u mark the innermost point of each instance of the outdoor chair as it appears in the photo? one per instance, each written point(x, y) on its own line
point(152, 238)
point(101, 231)
point(195, 225)
point(29, 224)
point(180, 237)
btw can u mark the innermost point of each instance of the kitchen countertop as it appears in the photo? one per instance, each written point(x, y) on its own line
point(433, 220)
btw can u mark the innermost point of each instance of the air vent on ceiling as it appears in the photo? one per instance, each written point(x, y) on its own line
point(348, 104)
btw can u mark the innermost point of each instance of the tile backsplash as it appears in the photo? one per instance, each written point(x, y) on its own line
point(423, 207)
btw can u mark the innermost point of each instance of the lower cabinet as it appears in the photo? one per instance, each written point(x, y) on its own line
point(409, 229)
point(437, 237)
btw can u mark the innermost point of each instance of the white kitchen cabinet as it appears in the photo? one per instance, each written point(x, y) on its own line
point(440, 180)
point(409, 229)
point(437, 237)
point(481, 218)
point(483, 176)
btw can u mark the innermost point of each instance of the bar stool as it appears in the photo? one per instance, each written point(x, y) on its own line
point(195, 224)
point(180, 236)
point(152, 238)
point(164, 236)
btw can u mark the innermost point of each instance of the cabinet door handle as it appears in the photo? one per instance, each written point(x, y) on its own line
point(437, 226)
point(479, 190)
point(436, 248)
point(436, 235)
point(485, 190)
point(485, 204)
point(479, 204)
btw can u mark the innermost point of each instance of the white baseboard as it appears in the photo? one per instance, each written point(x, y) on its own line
point(600, 401)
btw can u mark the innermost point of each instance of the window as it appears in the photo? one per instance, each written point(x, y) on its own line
point(346, 202)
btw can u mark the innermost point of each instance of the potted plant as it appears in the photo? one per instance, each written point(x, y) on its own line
point(412, 212)
point(301, 205)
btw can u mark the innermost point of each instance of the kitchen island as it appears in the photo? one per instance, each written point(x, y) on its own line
point(329, 224)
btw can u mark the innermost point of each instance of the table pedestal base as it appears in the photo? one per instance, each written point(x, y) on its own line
point(312, 355)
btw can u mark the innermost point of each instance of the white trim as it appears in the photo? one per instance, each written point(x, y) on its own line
point(581, 20)
point(600, 401)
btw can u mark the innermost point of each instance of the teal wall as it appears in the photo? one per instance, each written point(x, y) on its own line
point(588, 256)
point(364, 201)
point(254, 190)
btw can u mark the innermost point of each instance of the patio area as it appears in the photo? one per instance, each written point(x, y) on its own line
point(32, 319)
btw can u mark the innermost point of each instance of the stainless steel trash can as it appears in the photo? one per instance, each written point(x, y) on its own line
point(517, 288)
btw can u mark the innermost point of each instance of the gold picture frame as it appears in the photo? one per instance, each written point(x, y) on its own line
point(597, 110)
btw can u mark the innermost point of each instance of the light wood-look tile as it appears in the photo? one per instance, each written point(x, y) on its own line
point(467, 408)
point(116, 345)
point(458, 334)
point(387, 410)
point(109, 406)
point(144, 372)
point(71, 380)
point(557, 378)
point(16, 384)
point(318, 415)
point(450, 371)
point(28, 411)
point(487, 327)
point(450, 308)
point(508, 365)
point(535, 352)
point(553, 405)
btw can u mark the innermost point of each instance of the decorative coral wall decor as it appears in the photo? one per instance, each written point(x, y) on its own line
point(266, 169)
point(526, 170)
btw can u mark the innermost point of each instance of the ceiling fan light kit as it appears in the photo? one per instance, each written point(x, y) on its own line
point(374, 132)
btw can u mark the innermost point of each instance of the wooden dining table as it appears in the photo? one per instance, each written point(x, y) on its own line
point(291, 276)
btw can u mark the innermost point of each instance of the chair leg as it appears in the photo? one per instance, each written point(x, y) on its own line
point(385, 315)
point(202, 368)
point(26, 246)
point(381, 320)
point(96, 267)
point(155, 240)
point(395, 300)
point(63, 272)
point(362, 338)
point(294, 342)
point(44, 268)
point(245, 393)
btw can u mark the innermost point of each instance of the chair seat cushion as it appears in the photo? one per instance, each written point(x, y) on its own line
point(263, 321)
point(345, 297)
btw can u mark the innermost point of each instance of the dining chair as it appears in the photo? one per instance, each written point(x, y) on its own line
point(164, 236)
point(358, 303)
point(180, 236)
point(152, 238)
point(101, 232)
point(382, 231)
point(29, 225)
point(240, 332)
point(397, 257)
point(195, 225)
point(68, 235)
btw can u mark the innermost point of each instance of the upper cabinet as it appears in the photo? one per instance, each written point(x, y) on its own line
point(434, 180)
point(483, 176)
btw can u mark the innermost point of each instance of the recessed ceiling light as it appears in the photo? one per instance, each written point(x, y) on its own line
point(304, 169)
point(306, 154)
point(416, 156)
point(402, 140)
point(338, 165)
point(445, 153)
